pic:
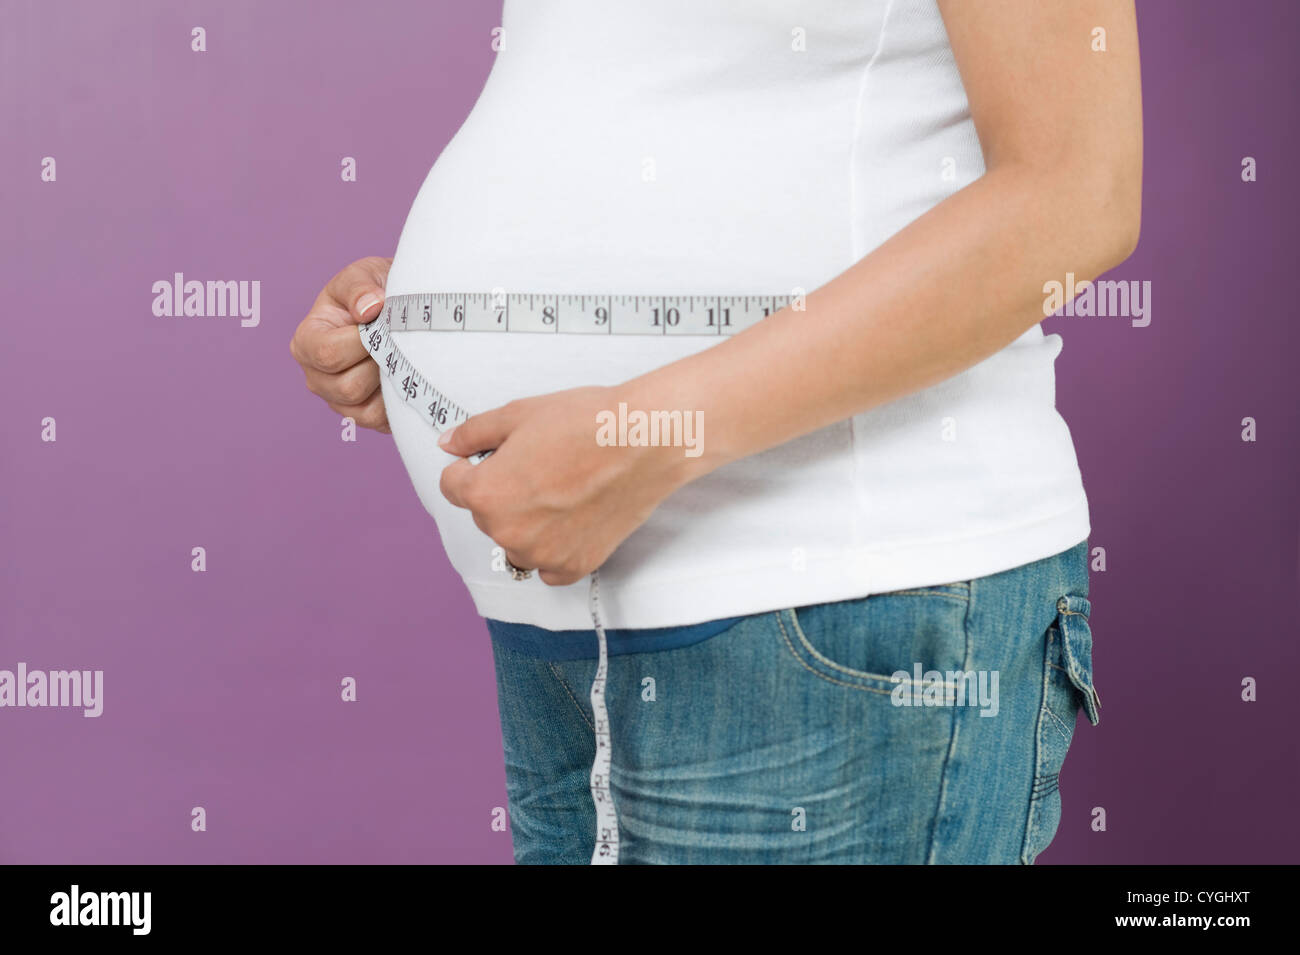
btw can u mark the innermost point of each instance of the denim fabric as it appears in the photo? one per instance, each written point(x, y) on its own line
point(579, 644)
point(783, 738)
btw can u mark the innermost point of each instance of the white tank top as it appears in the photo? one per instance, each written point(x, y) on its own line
point(729, 147)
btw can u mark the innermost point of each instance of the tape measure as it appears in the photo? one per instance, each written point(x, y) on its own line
point(533, 313)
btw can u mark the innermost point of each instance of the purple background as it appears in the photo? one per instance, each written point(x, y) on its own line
point(222, 688)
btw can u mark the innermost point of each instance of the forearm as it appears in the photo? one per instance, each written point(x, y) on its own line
point(954, 287)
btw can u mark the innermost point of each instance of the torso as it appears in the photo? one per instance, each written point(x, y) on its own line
point(679, 147)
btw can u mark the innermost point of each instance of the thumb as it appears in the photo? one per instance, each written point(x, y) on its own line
point(359, 289)
point(366, 302)
point(366, 288)
point(482, 432)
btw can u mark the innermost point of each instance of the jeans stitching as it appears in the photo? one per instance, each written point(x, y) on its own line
point(803, 663)
point(848, 671)
point(1034, 808)
point(925, 593)
point(1061, 726)
point(555, 671)
point(952, 740)
point(1045, 787)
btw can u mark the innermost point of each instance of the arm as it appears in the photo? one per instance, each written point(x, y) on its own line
point(1060, 127)
point(1061, 130)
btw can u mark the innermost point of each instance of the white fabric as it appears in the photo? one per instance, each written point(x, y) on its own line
point(772, 169)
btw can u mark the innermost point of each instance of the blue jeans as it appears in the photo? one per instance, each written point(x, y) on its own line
point(919, 726)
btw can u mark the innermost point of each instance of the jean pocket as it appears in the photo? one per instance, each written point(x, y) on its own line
point(877, 643)
point(1067, 687)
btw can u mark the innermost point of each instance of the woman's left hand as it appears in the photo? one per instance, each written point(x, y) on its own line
point(550, 495)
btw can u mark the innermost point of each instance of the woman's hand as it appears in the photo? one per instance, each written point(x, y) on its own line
point(551, 495)
point(327, 346)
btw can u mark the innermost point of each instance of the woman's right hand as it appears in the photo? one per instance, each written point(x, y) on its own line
point(327, 346)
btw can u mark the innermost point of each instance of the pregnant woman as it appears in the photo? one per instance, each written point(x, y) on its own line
point(851, 625)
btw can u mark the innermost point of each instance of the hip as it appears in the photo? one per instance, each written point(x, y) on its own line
point(924, 725)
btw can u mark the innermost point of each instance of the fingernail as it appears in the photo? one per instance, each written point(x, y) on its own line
point(445, 438)
point(366, 302)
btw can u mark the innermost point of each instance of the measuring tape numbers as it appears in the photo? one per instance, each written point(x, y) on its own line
point(553, 314)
